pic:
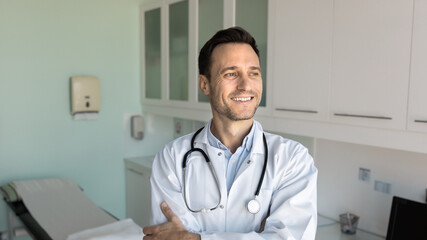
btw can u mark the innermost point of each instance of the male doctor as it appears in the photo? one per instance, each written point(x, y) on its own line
point(212, 203)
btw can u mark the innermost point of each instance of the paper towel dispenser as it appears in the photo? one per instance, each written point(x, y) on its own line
point(85, 95)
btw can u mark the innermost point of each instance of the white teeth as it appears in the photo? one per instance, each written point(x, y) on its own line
point(242, 99)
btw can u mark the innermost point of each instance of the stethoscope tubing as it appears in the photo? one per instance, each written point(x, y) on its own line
point(217, 187)
point(208, 161)
point(264, 168)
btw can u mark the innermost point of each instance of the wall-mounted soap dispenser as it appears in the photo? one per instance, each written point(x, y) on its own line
point(137, 127)
point(85, 95)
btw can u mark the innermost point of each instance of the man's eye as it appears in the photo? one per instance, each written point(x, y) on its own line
point(254, 74)
point(230, 74)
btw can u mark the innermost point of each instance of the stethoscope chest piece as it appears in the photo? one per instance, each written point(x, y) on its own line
point(253, 206)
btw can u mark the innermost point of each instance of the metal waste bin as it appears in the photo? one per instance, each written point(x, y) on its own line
point(349, 223)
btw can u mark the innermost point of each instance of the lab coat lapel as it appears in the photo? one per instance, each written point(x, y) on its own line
point(217, 160)
point(219, 166)
point(257, 151)
point(218, 163)
point(255, 160)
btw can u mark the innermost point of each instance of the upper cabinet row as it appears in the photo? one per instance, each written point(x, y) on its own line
point(360, 62)
point(352, 62)
point(174, 31)
point(355, 63)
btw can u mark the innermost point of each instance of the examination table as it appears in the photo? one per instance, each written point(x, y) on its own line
point(58, 209)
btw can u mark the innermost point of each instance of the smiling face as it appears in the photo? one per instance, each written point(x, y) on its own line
point(235, 85)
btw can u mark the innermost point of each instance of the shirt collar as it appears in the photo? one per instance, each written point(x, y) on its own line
point(215, 142)
point(256, 141)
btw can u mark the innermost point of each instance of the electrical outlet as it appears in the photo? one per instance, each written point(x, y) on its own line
point(364, 174)
point(382, 187)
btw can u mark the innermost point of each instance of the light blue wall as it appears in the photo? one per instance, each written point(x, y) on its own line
point(42, 44)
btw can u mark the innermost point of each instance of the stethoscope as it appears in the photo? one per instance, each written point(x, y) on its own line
point(253, 205)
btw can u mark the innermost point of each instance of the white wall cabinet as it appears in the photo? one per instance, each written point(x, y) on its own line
point(417, 108)
point(370, 63)
point(165, 51)
point(301, 58)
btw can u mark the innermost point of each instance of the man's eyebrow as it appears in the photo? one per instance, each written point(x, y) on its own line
point(227, 69)
point(255, 68)
point(235, 67)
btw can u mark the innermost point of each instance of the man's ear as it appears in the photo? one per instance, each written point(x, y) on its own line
point(204, 84)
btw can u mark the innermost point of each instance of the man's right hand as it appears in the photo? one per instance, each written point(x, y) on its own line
point(170, 230)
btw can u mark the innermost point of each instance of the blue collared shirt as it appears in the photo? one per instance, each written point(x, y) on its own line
point(233, 161)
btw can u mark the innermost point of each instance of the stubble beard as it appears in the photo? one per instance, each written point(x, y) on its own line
point(227, 112)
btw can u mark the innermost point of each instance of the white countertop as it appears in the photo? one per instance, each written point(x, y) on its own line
point(333, 232)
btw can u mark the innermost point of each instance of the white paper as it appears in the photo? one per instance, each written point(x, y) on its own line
point(85, 116)
point(60, 207)
point(122, 230)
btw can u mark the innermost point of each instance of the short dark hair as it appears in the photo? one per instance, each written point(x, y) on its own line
point(230, 35)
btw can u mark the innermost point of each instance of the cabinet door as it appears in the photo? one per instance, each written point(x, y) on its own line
point(152, 54)
point(370, 65)
point(138, 197)
point(252, 15)
point(417, 112)
point(178, 51)
point(302, 51)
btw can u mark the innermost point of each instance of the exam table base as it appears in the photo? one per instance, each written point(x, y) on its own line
point(18, 210)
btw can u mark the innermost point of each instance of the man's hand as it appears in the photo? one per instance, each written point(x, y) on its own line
point(170, 230)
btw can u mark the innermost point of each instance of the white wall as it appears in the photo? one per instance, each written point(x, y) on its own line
point(339, 189)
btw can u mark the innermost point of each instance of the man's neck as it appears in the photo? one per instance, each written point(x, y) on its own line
point(231, 133)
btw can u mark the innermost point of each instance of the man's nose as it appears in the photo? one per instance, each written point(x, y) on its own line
point(243, 82)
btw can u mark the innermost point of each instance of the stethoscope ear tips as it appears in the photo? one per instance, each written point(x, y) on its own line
point(253, 206)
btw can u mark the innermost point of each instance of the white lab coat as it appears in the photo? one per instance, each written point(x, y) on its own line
point(289, 190)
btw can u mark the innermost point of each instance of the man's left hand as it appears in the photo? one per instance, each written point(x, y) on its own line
point(172, 229)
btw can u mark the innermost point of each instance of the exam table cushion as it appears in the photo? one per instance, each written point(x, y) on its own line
point(58, 205)
point(10, 193)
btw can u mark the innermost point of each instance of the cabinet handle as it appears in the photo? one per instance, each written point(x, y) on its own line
point(420, 121)
point(361, 116)
point(135, 171)
point(296, 110)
